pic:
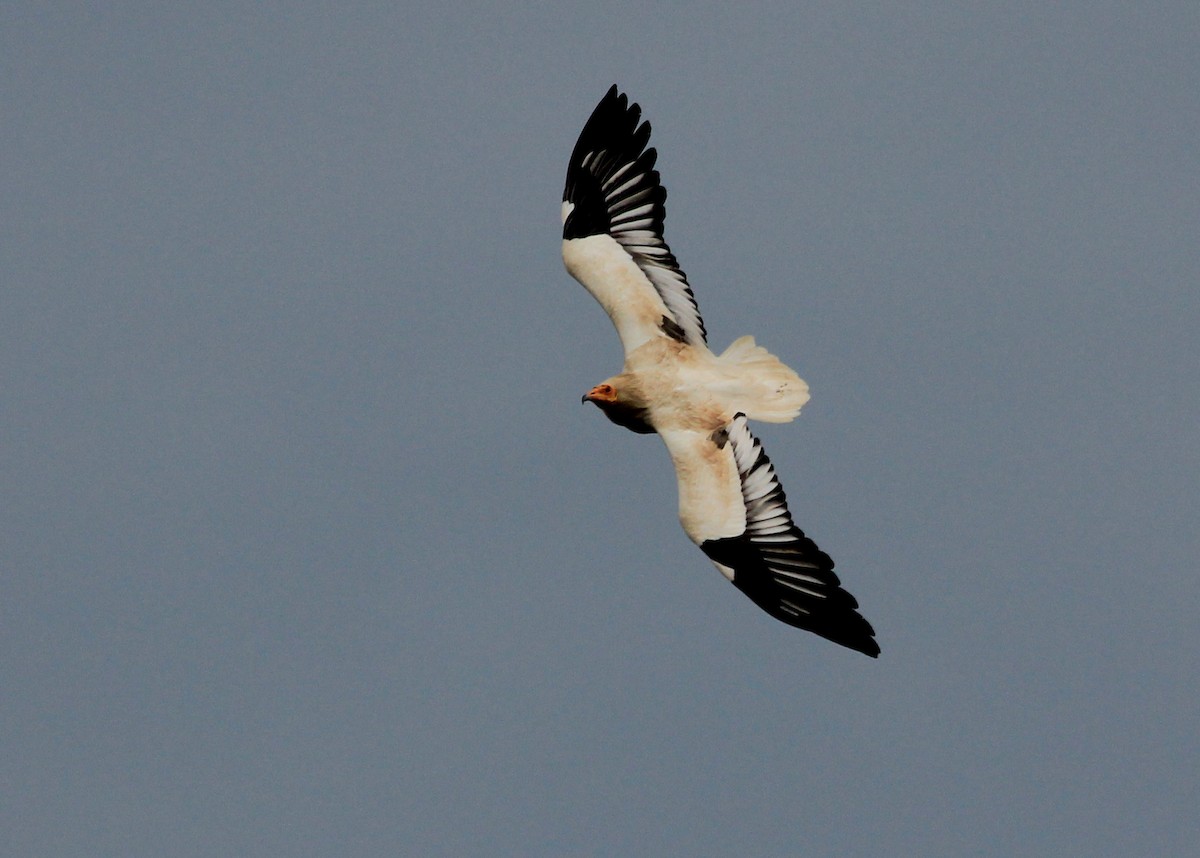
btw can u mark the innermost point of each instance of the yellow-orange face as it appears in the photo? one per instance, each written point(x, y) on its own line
point(631, 417)
point(601, 394)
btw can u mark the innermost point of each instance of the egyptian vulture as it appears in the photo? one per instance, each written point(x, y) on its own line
point(730, 502)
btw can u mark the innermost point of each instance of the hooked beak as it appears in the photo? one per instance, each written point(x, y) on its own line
point(600, 393)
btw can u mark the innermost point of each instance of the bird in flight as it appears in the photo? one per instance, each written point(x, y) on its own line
point(730, 501)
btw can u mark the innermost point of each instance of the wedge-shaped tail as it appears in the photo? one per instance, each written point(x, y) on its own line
point(760, 385)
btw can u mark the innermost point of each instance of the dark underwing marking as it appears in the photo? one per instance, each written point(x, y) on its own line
point(672, 329)
point(720, 437)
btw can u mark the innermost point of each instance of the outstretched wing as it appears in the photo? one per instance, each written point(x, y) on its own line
point(613, 211)
point(732, 505)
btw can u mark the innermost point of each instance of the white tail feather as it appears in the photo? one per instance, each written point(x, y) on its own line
point(760, 384)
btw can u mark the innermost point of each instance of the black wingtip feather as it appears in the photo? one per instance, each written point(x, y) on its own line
point(612, 138)
point(614, 189)
point(782, 570)
point(834, 616)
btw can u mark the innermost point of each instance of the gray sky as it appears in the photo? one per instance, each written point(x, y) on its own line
point(308, 547)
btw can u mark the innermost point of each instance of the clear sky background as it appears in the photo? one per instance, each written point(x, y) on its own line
point(308, 547)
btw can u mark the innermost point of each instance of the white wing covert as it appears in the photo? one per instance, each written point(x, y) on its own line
point(732, 505)
point(613, 213)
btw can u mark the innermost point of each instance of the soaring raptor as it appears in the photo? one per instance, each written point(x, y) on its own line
point(730, 502)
